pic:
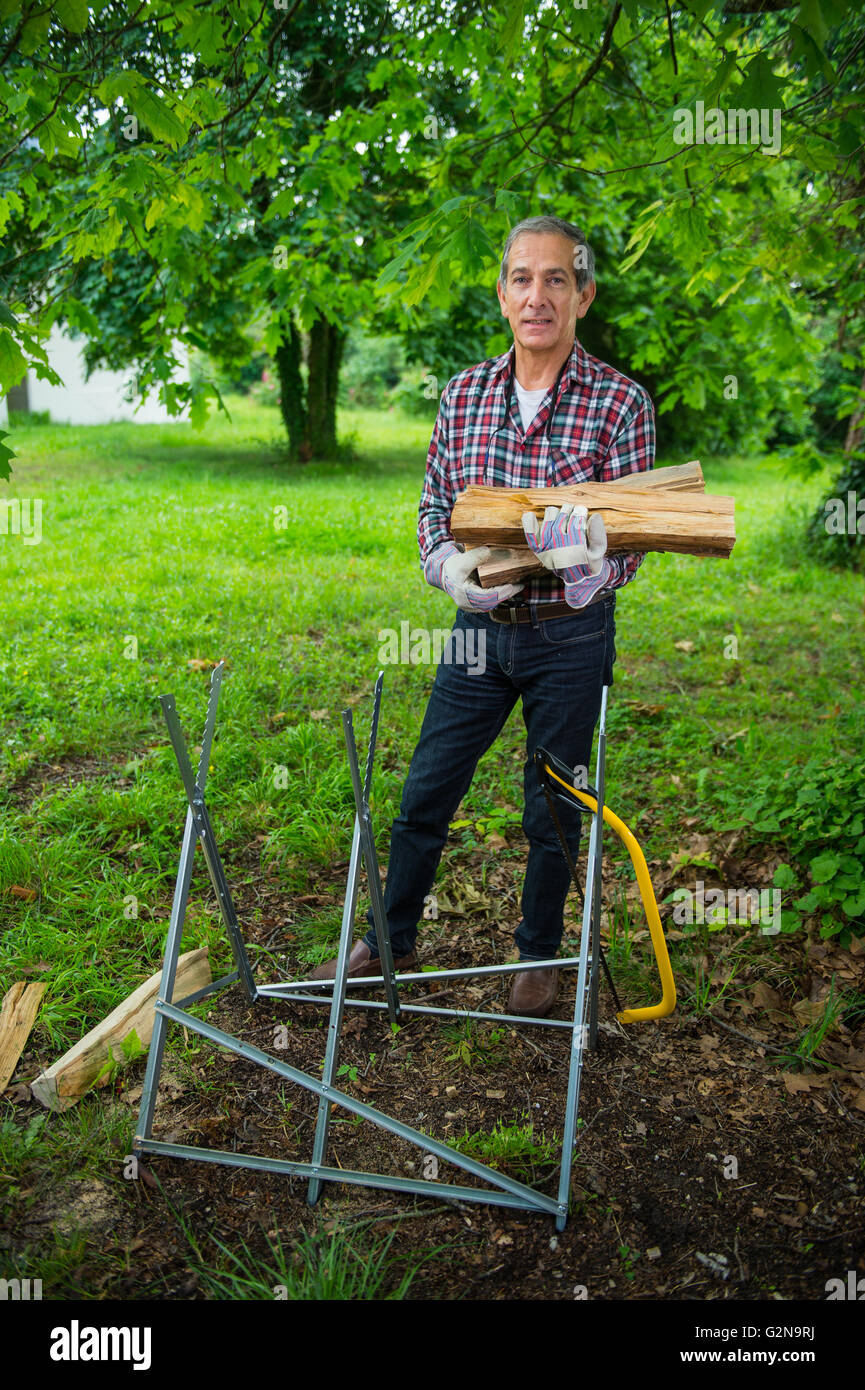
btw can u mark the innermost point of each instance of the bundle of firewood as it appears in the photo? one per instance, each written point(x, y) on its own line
point(665, 509)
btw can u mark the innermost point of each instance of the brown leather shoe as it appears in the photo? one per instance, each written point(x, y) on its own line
point(533, 993)
point(362, 962)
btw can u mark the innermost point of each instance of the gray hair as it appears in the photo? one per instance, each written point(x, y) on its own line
point(584, 268)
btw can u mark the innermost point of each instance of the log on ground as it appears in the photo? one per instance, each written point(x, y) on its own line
point(92, 1060)
point(17, 1016)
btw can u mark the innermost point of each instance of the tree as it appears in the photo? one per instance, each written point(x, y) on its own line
point(182, 172)
point(282, 157)
point(719, 251)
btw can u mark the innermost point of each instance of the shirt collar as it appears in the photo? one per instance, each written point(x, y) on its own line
point(578, 370)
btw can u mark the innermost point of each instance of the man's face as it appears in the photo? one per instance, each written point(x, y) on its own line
point(540, 300)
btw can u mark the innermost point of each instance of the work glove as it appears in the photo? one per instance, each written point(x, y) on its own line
point(452, 571)
point(573, 546)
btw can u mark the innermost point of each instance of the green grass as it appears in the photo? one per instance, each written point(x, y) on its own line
point(320, 1267)
point(514, 1149)
point(156, 534)
point(163, 548)
point(474, 1045)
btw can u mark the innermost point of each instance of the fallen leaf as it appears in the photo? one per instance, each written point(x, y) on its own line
point(684, 646)
point(808, 1011)
point(27, 895)
point(765, 997)
point(793, 1082)
point(319, 713)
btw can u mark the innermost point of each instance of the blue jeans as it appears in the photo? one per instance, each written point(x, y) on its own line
point(558, 667)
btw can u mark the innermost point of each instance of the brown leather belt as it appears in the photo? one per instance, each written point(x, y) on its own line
point(522, 612)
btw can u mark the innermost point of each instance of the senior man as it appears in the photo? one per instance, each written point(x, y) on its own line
point(544, 413)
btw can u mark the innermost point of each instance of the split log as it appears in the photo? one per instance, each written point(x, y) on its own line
point(92, 1061)
point(635, 519)
point(20, 1007)
point(639, 519)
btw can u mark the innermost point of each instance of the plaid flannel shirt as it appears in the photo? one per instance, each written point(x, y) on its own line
point(603, 427)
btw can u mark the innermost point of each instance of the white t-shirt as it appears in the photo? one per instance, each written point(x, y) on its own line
point(529, 402)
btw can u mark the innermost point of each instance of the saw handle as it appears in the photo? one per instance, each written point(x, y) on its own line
point(650, 906)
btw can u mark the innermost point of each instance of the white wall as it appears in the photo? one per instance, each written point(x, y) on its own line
point(94, 402)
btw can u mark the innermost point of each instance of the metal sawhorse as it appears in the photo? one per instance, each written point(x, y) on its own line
point(341, 992)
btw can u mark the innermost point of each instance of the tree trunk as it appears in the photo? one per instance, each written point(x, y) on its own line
point(856, 427)
point(289, 355)
point(326, 343)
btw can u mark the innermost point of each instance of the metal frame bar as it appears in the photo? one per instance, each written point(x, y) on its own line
point(586, 1000)
point(506, 1191)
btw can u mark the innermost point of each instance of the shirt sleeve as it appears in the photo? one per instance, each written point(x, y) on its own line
point(632, 451)
point(437, 499)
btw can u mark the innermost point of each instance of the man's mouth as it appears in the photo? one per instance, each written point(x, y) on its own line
point(540, 322)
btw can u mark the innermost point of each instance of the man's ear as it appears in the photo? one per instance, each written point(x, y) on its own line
point(587, 294)
point(501, 299)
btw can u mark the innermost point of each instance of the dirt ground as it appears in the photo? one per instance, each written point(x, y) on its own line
point(703, 1171)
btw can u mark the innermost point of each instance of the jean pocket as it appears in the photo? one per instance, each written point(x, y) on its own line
point(568, 632)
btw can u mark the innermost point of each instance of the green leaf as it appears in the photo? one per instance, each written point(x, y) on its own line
point(761, 87)
point(131, 1046)
point(74, 15)
point(34, 33)
point(198, 410)
point(811, 20)
point(13, 365)
point(509, 202)
point(784, 877)
point(824, 867)
point(513, 27)
point(203, 34)
point(118, 85)
point(157, 116)
point(721, 78)
point(5, 455)
point(831, 928)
